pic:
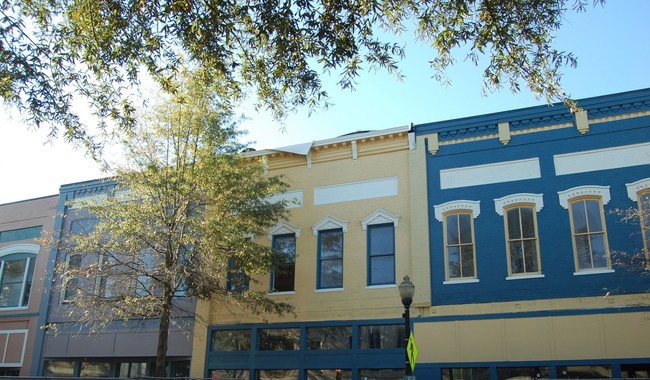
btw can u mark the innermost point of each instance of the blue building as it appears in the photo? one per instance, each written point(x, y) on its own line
point(535, 271)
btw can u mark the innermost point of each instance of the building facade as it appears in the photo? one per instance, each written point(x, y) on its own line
point(512, 226)
point(23, 259)
point(349, 237)
point(123, 349)
point(535, 269)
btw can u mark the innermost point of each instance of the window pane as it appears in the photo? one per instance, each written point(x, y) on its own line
point(467, 252)
point(382, 239)
point(279, 339)
point(584, 372)
point(465, 373)
point(579, 217)
point(527, 222)
point(231, 340)
point(95, 369)
point(10, 295)
point(514, 230)
point(284, 275)
point(331, 273)
point(11, 282)
point(14, 271)
point(593, 216)
point(329, 374)
point(530, 249)
point(453, 262)
point(517, 257)
point(331, 244)
point(230, 374)
point(599, 256)
point(381, 374)
point(133, 370)
point(452, 229)
point(465, 223)
point(522, 373)
point(382, 336)
point(59, 368)
point(329, 338)
point(278, 374)
point(382, 270)
point(583, 252)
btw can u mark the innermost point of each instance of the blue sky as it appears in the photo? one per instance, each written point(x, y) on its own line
point(612, 45)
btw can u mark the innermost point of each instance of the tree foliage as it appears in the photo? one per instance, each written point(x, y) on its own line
point(54, 50)
point(178, 225)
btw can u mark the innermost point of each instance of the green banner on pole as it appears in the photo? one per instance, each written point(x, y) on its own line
point(412, 351)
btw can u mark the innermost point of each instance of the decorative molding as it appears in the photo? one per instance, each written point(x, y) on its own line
point(582, 121)
point(602, 159)
point(581, 191)
point(379, 217)
point(504, 133)
point(354, 191)
point(433, 144)
point(355, 150)
point(411, 137)
point(20, 248)
point(329, 223)
point(282, 228)
point(441, 209)
point(634, 188)
point(503, 202)
point(293, 198)
point(496, 172)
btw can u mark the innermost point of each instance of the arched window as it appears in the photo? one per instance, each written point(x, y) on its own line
point(16, 273)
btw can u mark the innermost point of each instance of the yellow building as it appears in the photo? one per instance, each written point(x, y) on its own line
point(351, 232)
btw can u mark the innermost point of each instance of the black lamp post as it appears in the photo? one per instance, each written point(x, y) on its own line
point(406, 292)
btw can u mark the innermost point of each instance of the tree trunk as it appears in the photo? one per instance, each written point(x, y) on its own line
point(163, 337)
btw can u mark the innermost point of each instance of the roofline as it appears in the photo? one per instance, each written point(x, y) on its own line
point(337, 140)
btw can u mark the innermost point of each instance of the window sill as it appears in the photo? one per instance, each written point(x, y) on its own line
point(385, 286)
point(593, 271)
point(12, 308)
point(524, 277)
point(454, 282)
point(287, 293)
point(329, 290)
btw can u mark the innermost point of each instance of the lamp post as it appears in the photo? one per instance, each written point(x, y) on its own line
point(406, 292)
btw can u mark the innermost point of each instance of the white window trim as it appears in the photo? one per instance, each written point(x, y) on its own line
point(384, 286)
point(524, 277)
point(379, 216)
point(329, 222)
point(581, 191)
point(328, 290)
point(283, 228)
point(474, 206)
point(503, 202)
point(455, 282)
point(634, 188)
point(593, 271)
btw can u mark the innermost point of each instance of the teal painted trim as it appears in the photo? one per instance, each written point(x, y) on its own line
point(21, 234)
point(533, 314)
point(17, 315)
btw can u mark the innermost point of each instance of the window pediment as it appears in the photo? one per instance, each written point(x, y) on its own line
point(328, 223)
point(581, 191)
point(379, 217)
point(501, 203)
point(634, 187)
point(283, 228)
point(474, 206)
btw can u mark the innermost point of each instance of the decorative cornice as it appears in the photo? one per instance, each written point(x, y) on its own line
point(379, 217)
point(20, 248)
point(503, 202)
point(283, 228)
point(582, 191)
point(634, 188)
point(441, 209)
point(328, 223)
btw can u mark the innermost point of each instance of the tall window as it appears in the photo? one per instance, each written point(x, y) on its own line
point(330, 258)
point(72, 281)
point(589, 236)
point(460, 261)
point(283, 277)
point(236, 280)
point(16, 272)
point(522, 242)
point(644, 217)
point(381, 254)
